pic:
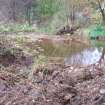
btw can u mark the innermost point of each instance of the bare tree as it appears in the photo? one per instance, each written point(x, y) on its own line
point(99, 4)
point(17, 10)
point(28, 8)
point(13, 9)
point(74, 6)
point(101, 10)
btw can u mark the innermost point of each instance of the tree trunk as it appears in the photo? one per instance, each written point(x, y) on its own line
point(103, 17)
point(28, 7)
point(13, 10)
point(102, 11)
point(72, 15)
point(28, 15)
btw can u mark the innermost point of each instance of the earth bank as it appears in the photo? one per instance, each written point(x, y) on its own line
point(50, 84)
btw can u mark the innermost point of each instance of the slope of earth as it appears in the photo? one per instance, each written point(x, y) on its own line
point(50, 84)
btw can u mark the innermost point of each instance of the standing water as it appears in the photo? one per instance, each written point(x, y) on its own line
point(86, 57)
point(76, 54)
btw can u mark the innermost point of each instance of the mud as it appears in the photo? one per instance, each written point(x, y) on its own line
point(50, 84)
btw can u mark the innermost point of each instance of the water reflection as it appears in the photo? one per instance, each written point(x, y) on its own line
point(86, 57)
point(74, 53)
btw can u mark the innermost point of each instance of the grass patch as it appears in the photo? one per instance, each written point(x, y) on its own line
point(97, 30)
point(17, 28)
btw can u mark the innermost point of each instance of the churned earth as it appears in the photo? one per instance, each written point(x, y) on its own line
point(52, 83)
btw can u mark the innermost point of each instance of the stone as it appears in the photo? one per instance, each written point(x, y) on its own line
point(102, 91)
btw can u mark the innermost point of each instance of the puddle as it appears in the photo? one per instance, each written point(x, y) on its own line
point(86, 57)
point(73, 53)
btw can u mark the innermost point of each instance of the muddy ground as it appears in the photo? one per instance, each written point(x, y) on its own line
point(51, 84)
point(54, 85)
